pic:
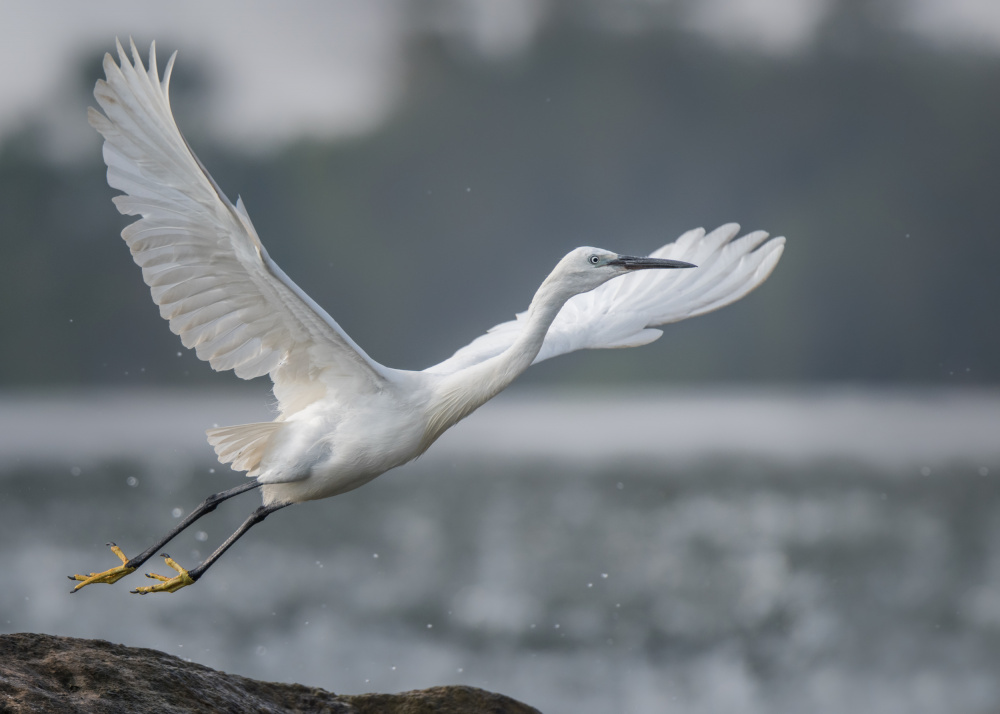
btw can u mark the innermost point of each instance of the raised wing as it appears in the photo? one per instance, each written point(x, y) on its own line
point(624, 312)
point(201, 257)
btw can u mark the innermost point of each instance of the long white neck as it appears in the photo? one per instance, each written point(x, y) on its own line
point(507, 366)
point(465, 391)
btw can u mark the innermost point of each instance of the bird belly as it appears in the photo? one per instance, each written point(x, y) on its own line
point(338, 455)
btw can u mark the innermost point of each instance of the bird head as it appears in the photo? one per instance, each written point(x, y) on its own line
point(586, 268)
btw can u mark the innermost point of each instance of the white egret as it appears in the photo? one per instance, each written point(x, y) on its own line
point(344, 418)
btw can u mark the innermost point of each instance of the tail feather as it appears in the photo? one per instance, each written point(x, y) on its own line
point(243, 446)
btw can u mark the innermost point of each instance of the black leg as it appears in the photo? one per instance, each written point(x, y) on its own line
point(204, 508)
point(188, 577)
point(255, 518)
point(128, 566)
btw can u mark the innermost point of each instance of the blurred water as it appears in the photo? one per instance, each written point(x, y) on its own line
point(728, 579)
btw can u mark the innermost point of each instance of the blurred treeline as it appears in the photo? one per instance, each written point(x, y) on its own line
point(878, 157)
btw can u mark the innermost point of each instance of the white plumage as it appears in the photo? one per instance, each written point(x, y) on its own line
point(343, 418)
point(623, 313)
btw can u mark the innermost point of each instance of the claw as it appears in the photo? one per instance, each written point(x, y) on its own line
point(112, 575)
point(167, 585)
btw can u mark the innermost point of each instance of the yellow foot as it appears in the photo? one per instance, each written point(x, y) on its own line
point(108, 576)
point(167, 585)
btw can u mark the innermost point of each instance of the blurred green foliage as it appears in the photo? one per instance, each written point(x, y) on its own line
point(877, 158)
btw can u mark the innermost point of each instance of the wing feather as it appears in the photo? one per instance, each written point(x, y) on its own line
point(624, 312)
point(201, 257)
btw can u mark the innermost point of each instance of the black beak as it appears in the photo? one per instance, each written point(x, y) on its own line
point(630, 262)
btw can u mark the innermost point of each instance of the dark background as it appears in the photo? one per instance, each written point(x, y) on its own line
point(875, 153)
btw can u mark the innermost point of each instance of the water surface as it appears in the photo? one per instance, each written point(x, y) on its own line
point(695, 552)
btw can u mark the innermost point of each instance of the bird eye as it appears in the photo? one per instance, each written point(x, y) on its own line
point(594, 260)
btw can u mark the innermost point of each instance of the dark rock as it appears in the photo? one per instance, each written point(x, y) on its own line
point(43, 673)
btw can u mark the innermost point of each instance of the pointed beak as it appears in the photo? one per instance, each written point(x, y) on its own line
point(630, 262)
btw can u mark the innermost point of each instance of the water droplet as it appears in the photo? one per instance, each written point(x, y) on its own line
point(375, 555)
point(557, 626)
point(179, 354)
point(201, 536)
point(261, 650)
point(604, 576)
point(177, 513)
point(619, 485)
point(460, 670)
point(590, 585)
point(132, 481)
point(393, 668)
point(429, 626)
point(319, 564)
point(211, 471)
point(76, 471)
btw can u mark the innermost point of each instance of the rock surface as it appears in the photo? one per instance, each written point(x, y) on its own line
point(43, 673)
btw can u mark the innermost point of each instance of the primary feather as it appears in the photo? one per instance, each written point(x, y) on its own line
point(202, 259)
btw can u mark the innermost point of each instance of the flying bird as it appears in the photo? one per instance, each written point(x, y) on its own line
point(343, 418)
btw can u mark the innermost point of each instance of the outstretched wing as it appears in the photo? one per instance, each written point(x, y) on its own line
point(624, 312)
point(201, 257)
